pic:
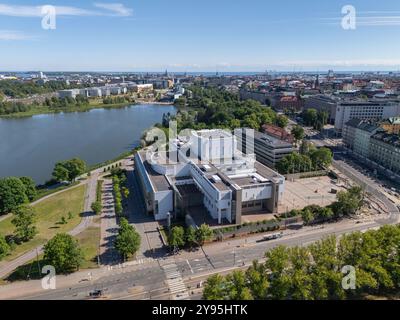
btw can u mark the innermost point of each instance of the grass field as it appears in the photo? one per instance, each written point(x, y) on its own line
point(49, 213)
point(89, 241)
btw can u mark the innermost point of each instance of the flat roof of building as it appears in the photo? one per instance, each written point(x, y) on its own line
point(159, 181)
point(270, 140)
point(214, 133)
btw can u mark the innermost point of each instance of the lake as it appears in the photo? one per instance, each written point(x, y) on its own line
point(31, 146)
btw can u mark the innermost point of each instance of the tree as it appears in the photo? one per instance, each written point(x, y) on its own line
point(348, 202)
point(251, 122)
point(301, 282)
point(69, 170)
point(298, 133)
point(203, 234)
point(30, 187)
point(176, 237)
point(190, 236)
point(96, 207)
point(307, 147)
point(257, 281)
point(307, 215)
point(23, 221)
point(4, 247)
point(127, 242)
point(281, 121)
point(60, 173)
point(215, 288)
point(277, 265)
point(237, 286)
point(325, 272)
point(322, 120)
point(321, 157)
point(12, 194)
point(125, 191)
point(294, 163)
point(310, 117)
point(362, 252)
point(63, 253)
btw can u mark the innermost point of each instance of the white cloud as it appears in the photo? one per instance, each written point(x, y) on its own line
point(106, 9)
point(10, 35)
point(369, 19)
point(118, 8)
point(20, 11)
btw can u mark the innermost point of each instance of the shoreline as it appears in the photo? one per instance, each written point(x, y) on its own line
point(42, 110)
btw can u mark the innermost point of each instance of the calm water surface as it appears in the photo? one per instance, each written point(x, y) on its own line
point(31, 146)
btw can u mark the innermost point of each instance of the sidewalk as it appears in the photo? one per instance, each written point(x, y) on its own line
point(109, 226)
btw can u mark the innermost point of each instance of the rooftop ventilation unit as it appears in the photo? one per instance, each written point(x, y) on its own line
point(216, 178)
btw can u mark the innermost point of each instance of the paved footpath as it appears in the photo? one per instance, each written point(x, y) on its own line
point(109, 226)
point(90, 197)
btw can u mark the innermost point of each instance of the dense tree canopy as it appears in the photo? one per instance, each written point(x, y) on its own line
point(217, 108)
point(20, 89)
point(314, 159)
point(316, 271)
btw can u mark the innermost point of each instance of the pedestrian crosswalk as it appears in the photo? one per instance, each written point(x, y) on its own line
point(175, 282)
point(138, 262)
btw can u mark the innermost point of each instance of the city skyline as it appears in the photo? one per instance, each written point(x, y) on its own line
point(206, 37)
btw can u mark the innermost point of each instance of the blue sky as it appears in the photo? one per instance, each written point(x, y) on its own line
point(206, 35)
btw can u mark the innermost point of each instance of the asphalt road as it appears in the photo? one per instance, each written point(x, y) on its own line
point(148, 280)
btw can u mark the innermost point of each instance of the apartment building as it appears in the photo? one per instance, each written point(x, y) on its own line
point(269, 150)
point(385, 150)
point(322, 103)
point(357, 135)
point(364, 110)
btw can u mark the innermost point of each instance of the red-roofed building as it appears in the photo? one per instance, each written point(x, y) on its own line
point(278, 133)
point(289, 103)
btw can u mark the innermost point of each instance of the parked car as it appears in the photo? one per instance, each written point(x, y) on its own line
point(96, 293)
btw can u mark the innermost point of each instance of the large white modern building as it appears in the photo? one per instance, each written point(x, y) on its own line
point(364, 110)
point(205, 170)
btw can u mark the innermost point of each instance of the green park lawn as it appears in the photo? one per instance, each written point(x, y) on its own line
point(48, 214)
point(89, 241)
